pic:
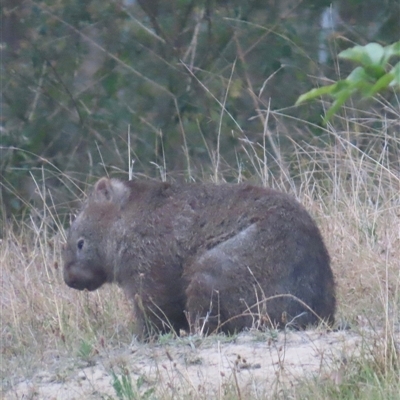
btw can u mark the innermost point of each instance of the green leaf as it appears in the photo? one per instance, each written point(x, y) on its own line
point(312, 94)
point(396, 74)
point(392, 50)
point(358, 75)
point(340, 86)
point(371, 54)
point(375, 53)
point(375, 71)
point(357, 54)
point(382, 83)
point(340, 100)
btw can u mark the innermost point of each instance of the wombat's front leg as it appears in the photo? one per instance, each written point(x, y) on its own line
point(154, 315)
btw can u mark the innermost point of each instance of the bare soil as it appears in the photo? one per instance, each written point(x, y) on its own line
point(194, 367)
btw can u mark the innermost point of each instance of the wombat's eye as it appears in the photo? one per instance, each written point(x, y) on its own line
point(79, 244)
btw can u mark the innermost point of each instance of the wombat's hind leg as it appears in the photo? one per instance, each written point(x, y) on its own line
point(203, 308)
point(220, 286)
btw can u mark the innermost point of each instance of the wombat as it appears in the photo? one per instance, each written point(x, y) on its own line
point(219, 257)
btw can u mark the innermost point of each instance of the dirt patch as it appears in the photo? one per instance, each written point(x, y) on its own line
point(197, 367)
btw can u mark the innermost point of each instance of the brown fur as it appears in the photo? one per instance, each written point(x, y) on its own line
point(184, 252)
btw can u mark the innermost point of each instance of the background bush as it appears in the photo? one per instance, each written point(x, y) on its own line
point(191, 81)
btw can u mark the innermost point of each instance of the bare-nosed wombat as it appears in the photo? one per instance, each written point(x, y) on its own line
point(189, 253)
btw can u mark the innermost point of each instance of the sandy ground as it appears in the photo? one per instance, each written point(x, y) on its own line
point(197, 367)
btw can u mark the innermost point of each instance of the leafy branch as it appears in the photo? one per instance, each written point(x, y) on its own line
point(368, 79)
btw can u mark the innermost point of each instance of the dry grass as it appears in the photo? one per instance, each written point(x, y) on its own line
point(352, 191)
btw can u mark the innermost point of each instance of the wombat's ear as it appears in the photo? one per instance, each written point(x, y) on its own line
point(110, 190)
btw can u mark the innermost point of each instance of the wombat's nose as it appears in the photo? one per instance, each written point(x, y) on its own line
point(69, 278)
point(71, 282)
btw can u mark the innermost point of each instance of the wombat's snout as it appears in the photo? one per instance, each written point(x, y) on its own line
point(77, 277)
point(74, 285)
point(71, 279)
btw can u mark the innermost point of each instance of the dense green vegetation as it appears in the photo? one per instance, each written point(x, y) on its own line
point(190, 82)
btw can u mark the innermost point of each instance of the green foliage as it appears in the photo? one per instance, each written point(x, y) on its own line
point(188, 79)
point(166, 338)
point(85, 350)
point(356, 379)
point(368, 79)
point(126, 390)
